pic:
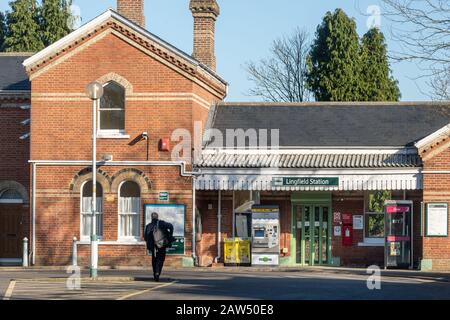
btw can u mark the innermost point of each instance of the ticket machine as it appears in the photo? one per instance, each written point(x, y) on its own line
point(399, 234)
point(265, 235)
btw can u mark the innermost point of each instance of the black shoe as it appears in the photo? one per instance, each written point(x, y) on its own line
point(156, 277)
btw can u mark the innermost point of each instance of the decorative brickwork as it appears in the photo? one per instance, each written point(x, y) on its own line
point(205, 13)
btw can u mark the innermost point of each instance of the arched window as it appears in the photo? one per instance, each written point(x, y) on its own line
point(86, 210)
point(112, 109)
point(129, 210)
point(10, 196)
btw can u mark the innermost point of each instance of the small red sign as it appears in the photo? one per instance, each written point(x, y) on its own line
point(347, 218)
point(397, 209)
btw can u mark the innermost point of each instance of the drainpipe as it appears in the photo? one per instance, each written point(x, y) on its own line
point(219, 226)
point(33, 205)
point(194, 255)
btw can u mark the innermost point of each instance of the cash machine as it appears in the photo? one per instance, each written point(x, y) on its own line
point(265, 235)
point(399, 234)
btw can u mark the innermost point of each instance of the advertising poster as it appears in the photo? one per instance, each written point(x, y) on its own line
point(174, 214)
point(437, 219)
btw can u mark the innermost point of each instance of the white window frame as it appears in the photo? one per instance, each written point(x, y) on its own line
point(83, 237)
point(120, 238)
point(111, 133)
point(369, 241)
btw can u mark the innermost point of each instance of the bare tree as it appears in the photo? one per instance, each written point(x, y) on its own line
point(282, 77)
point(422, 28)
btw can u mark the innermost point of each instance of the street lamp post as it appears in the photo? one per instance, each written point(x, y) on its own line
point(95, 92)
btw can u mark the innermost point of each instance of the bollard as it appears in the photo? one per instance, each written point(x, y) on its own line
point(74, 252)
point(25, 253)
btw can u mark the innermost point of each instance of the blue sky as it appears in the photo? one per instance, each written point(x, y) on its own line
point(246, 29)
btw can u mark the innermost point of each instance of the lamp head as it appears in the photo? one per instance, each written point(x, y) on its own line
point(94, 91)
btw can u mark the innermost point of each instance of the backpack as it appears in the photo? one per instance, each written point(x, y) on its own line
point(159, 236)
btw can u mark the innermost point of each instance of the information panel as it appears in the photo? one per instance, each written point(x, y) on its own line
point(174, 214)
point(437, 220)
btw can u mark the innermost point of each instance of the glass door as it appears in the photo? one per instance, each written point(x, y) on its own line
point(312, 225)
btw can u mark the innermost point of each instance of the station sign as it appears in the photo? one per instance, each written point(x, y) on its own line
point(305, 181)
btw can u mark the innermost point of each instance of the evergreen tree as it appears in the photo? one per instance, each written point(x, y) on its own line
point(55, 17)
point(3, 29)
point(334, 62)
point(23, 28)
point(377, 81)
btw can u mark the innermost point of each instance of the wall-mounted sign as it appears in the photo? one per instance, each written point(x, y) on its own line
point(305, 181)
point(337, 231)
point(358, 223)
point(174, 214)
point(437, 220)
point(337, 217)
point(164, 196)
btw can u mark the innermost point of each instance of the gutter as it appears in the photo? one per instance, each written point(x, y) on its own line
point(36, 163)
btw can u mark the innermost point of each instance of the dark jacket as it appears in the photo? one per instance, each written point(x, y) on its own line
point(166, 227)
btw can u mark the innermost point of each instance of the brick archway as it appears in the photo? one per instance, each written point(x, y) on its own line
point(131, 174)
point(86, 175)
point(118, 79)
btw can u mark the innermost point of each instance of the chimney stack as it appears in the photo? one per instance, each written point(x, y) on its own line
point(205, 13)
point(132, 10)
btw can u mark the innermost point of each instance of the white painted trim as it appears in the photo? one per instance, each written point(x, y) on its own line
point(87, 238)
point(369, 244)
point(444, 131)
point(260, 182)
point(312, 150)
point(103, 18)
point(129, 238)
point(300, 172)
point(115, 243)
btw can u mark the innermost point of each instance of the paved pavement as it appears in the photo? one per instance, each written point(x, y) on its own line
point(224, 284)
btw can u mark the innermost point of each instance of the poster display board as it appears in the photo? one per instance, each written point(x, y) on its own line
point(437, 220)
point(174, 214)
point(358, 222)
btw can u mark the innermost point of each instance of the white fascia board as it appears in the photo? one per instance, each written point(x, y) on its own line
point(299, 172)
point(444, 131)
point(68, 39)
point(101, 19)
point(318, 150)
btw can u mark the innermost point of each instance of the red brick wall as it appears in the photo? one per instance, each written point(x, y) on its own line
point(58, 214)
point(61, 130)
point(15, 153)
point(437, 189)
point(357, 255)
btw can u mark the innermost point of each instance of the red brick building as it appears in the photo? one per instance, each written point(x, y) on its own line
point(156, 95)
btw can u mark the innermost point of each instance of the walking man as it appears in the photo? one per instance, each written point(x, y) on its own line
point(159, 236)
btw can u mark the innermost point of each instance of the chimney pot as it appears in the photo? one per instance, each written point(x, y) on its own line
point(132, 10)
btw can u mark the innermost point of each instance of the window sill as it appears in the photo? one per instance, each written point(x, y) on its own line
point(115, 243)
point(371, 244)
point(113, 136)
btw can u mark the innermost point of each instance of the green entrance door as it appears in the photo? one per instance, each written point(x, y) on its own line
point(312, 234)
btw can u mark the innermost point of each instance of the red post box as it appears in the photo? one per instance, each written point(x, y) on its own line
point(347, 229)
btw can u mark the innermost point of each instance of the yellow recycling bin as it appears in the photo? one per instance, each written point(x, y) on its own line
point(237, 252)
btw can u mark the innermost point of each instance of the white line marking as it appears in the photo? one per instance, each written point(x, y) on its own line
point(9, 291)
point(146, 290)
